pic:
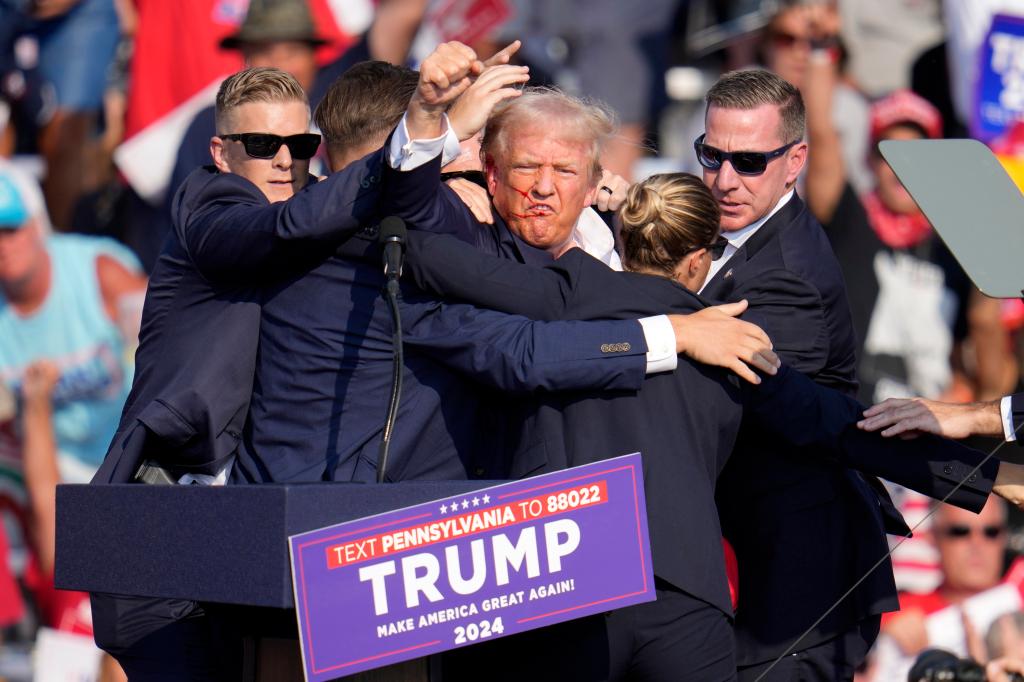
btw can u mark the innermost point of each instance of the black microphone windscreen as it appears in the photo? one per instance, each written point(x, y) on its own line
point(392, 228)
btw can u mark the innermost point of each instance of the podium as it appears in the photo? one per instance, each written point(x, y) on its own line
point(225, 545)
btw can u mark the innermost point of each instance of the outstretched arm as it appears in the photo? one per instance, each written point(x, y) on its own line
point(807, 414)
point(414, 193)
point(230, 230)
point(515, 354)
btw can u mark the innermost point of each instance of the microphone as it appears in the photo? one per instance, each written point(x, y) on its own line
point(392, 236)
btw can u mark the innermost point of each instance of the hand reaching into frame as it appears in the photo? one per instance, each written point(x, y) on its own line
point(611, 191)
point(907, 417)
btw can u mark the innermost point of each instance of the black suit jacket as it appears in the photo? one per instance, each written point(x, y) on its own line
point(804, 530)
point(684, 423)
point(200, 322)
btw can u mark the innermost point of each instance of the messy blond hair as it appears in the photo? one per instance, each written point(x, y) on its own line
point(256, 84)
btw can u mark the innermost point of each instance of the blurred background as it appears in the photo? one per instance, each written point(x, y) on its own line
point(106, 106)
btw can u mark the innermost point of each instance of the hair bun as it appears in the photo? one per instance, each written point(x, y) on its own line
point(644, 206)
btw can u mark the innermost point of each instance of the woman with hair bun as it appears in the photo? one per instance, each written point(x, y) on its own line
point(670, 228)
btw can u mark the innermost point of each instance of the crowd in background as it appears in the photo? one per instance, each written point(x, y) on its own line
point(106, 106)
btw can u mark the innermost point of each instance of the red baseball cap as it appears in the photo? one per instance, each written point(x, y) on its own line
point(903, 106)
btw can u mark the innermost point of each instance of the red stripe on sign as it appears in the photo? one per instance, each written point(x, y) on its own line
point(463, 525)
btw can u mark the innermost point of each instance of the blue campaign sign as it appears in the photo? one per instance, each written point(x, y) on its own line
point(444, 574)
point(999, 91)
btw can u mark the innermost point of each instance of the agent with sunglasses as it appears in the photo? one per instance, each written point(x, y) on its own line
point(234, 235)
point(831, 521)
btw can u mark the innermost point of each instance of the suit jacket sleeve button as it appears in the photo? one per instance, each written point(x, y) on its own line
point(973, 478)
point(947, 469)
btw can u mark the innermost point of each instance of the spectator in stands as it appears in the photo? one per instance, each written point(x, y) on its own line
point(281, 34)
point(971, 548)
point(77, 40)
point(798, 36)
point(74, 301)
point(68, 311)
point(911, 302)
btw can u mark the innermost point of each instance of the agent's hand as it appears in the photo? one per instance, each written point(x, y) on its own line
point(912, 416)
point(1009, 483)
point(611, 191)
point(715, 337)
point(475, 197)
point(470, 112)
point(444, 75)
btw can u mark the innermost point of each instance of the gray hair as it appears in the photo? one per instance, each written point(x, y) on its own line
point(586, 119)
point(753, 88)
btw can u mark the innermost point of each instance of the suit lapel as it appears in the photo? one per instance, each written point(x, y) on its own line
point(722, 284)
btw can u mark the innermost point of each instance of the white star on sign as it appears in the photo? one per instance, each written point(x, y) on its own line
point(487, 498)
point(444, 509)
point(476, 501)
point(465, 504)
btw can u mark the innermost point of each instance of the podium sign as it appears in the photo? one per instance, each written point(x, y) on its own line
point(487, 564)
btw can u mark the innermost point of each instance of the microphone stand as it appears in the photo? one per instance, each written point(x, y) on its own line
point(392, 235)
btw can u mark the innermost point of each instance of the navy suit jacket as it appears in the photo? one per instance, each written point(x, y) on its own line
point(804, 532)
point(684, 423)
point(325, 364)
point(200, 322)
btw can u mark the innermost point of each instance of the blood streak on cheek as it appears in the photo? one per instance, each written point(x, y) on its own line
point(525, 195)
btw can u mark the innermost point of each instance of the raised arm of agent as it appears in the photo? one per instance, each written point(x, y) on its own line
point(231, 230)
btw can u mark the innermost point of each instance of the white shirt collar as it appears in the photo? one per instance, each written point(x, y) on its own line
point(593, 236)
point(737, 238)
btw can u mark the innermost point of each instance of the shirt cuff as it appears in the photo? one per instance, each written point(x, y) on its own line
point(1006, 411)
point(661, 344)
point(221, 477)
point(406, 155)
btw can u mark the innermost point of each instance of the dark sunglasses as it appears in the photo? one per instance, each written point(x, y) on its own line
point(744, 163)
point(265, 145)
point(716, 248)
point(958, 531)
point(784, 39)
